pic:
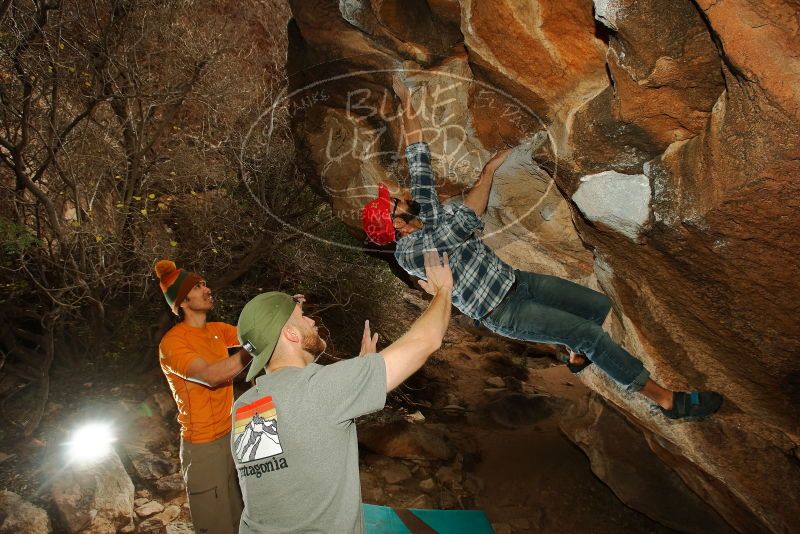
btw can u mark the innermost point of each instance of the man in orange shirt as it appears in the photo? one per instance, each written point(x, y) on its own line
point(194, 358)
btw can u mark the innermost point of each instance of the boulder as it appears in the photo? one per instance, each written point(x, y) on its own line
point(97, 496)
point(690, 114)
point(18, 516)
point(348, 148)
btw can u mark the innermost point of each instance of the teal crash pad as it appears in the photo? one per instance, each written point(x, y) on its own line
point(383, 520)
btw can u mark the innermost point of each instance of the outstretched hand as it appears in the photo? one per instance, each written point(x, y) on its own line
point(369, 343)
point(494, 163)
point(438, 273)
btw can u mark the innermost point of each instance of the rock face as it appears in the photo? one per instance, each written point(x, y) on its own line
point(667, 179)
point(621, 458)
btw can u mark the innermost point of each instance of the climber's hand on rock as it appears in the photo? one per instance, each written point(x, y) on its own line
point(494, 163)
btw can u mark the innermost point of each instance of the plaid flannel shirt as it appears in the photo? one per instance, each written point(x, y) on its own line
point(480, 278)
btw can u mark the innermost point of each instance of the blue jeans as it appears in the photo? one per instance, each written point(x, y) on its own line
point(548, 309)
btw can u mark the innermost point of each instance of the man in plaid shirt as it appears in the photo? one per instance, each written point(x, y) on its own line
point(512, 303)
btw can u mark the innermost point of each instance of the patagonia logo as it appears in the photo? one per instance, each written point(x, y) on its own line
point(255, 433)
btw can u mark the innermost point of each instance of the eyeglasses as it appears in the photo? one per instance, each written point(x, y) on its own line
point(405, 217)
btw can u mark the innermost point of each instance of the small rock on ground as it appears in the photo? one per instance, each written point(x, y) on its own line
point(495, 382)
point(154, 525)
point(170, 514)
point(447, 475)
point(180, 527)
point(170, 484)
point(427, 485)
point(395, 473)
point(149, 508)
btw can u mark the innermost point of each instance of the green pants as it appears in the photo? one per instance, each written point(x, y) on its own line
point(212, 486)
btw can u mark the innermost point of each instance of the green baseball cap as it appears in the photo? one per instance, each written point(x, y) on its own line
point(260, 325)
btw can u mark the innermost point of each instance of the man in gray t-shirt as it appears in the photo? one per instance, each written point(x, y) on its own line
point(294, 440)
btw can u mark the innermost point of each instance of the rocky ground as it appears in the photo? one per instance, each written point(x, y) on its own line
point(479, 427)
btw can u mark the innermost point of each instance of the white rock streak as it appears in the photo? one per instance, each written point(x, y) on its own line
point(618, 201)
point(606, 12)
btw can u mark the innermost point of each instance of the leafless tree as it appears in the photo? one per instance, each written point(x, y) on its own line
point(121, 142)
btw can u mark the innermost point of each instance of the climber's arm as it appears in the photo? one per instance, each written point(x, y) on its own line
point(412, 129)
point(478, 196)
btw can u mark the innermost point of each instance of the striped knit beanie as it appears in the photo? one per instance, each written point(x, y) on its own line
point(175, 283)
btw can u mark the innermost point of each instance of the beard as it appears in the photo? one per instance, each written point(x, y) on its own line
point(199, 304)
point(314, 344)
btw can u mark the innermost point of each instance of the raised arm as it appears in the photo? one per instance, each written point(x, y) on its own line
point(478, 196)
point(406, 355)
point(418, 155)
point(412, 129)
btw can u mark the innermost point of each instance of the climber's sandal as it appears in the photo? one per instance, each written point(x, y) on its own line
point(575, 367)
point(578, 367)
point(694, 404)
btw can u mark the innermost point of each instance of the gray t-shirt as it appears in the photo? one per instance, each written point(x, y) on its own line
point(295, 447)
